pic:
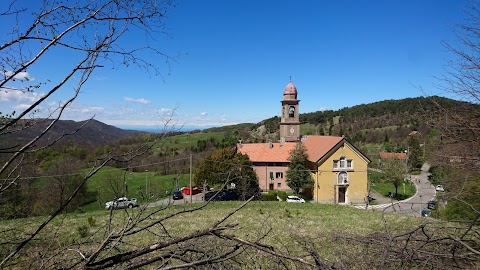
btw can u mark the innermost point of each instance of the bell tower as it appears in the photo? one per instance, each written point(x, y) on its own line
point(290, 121)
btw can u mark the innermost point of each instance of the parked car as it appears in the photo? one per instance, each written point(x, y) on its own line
point(177, 195)
point(122, 202)
point(224, 195)
point(195, 190)
point(439, 188)
point(295, 199)
point(426, 213)
point(432, 205)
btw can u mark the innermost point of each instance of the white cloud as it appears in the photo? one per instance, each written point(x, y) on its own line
point(18, 96)
point(322, 109)
point(22, 107)
point(23, 75)
point(174, 118)
point(165, 112)
point(138, 100)
point(85, 109)
point(79, 112)
point(129, 122)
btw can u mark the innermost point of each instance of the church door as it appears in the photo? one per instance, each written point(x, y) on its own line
point(341, 194)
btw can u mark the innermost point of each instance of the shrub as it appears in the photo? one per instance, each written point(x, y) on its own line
point(82, 231)
point(91, 221)
point(269, 197)
point(283, 195)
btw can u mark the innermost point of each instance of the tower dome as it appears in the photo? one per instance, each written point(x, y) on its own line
point(290, 89)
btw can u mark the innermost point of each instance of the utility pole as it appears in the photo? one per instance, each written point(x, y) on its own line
point(146, 184)
point(191, 191)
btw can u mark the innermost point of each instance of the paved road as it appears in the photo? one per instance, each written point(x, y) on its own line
point(169, 200)
point(412, 205)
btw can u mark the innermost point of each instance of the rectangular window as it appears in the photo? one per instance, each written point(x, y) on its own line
point(342, 163)
point(279, 185)
point(335, 164)
point(279, 175)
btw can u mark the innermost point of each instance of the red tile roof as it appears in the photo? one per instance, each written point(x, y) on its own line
point(317, 147)
point(386, 155)
point(266, 152)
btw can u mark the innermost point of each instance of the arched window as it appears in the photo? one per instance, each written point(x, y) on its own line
point(291, 111)
point(343, 178)
point(343, 164)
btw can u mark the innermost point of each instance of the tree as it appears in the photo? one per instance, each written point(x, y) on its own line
point(65, 179)
point(93, 34)
point(457, 148)
point(298, 174)
point(414, 153)
point(457, 151)
point(394, 170)
point(226, 165)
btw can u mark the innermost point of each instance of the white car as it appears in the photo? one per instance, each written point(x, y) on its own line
point(439, 188)
point(123, 202)
point(295, 199)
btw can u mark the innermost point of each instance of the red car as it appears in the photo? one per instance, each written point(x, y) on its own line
point(195, 190)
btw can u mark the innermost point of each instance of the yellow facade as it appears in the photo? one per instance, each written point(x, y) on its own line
point(341, 176)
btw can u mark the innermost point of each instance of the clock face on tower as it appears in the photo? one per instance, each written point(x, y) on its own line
point(292, 130)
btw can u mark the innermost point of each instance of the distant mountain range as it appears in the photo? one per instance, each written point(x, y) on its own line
point(94, 132)
point(155, 129)
point(368, 123)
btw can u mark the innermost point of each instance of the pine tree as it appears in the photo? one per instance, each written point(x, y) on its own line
point(415, 153)
point(298, 175)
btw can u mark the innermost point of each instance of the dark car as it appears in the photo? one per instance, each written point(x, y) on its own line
point(177, 195)
point(426, 213)
point(432, 205)
point(228, 196)
point(224, 195)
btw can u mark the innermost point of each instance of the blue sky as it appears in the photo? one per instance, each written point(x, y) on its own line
point(234, 58)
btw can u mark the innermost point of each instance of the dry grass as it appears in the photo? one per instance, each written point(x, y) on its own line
point(286, 225)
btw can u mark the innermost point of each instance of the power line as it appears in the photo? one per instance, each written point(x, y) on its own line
point(72, 174)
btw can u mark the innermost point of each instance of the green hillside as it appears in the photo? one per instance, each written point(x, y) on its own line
point(286, 225)
point(110, 183)
point(187, 141)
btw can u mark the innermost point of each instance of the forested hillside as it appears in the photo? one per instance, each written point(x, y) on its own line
point(91, 132)
point(379, 122)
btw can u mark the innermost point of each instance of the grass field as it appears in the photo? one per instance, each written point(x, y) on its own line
point(184, 141)
point(406, 190)
point(286, 224)
point(308, 129)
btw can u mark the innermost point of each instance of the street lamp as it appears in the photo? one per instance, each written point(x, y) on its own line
point(407, 152)
point(421, 205)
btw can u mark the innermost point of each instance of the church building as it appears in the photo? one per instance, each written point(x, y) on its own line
point(338, 168)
